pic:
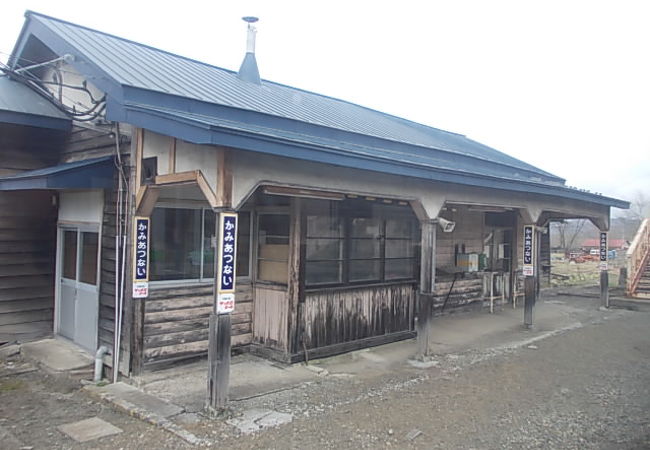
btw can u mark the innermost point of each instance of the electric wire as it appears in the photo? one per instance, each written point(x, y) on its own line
point(38, 85)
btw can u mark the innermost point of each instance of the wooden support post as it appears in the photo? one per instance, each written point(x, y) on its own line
point(219, 342)
point(219, 361)
point(137, 344)
point(530, 292)
point(604, 288)
point(531, 267)
point(426, 288)
point(294, 286)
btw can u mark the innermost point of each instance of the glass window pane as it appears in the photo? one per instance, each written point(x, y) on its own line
point(70, 255)
point(323, 272)
point(274, 229)
point(399, 268)
point(361, 227)
point(273, 247)
point(364, 270)
point(88, 265)
point(323, 248)
point(399, 228)
point(365, 248)
point(243, 244)
point(399, 248)
point(209, 229)
point(175, 244)
point(324, 226)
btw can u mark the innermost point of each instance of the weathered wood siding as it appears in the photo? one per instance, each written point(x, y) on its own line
point(343, 315)
point(271, 318)
point(463, 293)
point(27, 236)
point(85, 143)
point(27, 254)
point(468, 235)
point(176, 322)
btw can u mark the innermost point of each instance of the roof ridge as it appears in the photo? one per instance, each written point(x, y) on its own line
point(234, 72)
point(29, 13)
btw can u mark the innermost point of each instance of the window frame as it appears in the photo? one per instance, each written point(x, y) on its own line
point(346, 217)
point(204, 280)
point(255, 258)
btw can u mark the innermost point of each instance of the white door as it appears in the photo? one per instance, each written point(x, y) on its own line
point(78, 302)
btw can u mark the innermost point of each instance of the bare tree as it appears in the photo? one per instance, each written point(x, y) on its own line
point(639, 206)
point(568, 232)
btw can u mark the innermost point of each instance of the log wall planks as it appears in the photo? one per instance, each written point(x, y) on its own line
point(176, 322)
point(27, 236)
point(337, 316)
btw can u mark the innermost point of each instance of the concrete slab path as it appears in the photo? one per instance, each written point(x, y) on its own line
point(57, 354)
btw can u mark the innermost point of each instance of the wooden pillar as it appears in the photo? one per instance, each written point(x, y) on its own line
point(295, 281)
point(530, 292)
point(427, 285)
point(604, 288)
point(531, 271)
point(219, 337)
point(604, 274)
point(219, 348)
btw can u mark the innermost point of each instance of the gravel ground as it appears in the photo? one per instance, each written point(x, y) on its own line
point(586, 388)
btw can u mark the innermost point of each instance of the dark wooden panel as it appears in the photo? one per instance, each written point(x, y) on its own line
point(337, 316)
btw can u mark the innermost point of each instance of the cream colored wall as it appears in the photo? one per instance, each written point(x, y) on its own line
point(81, 206)
point(189, 156)
point(252, 169)
point(198, 157)
point(157, 145)
point(72, 97)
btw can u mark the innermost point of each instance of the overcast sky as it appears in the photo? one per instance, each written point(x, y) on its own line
point(563, 85)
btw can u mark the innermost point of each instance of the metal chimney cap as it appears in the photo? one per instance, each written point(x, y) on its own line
point(250, 19)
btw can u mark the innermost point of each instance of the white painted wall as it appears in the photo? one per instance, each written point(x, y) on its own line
point(198, 157)
point(81, 206)
point(71, 97)
point(252, 169)
point(157, 145)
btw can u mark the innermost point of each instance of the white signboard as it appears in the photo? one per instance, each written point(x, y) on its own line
point(141, 289)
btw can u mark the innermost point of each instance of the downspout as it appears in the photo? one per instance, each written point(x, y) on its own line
point(99, 363)
point(120, 244)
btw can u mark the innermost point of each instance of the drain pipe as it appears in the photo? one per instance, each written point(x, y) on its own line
point(99, 363)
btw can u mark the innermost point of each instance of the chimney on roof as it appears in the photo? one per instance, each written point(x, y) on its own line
point(248, 70)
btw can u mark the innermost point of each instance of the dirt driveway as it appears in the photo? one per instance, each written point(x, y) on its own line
point(588, 387)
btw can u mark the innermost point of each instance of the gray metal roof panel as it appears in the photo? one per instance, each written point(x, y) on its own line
point(18, 98)
point(137, 65)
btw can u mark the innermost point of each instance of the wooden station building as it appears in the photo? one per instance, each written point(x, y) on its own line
point(347, 216)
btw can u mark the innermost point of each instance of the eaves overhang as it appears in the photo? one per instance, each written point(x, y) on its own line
point(213, 131)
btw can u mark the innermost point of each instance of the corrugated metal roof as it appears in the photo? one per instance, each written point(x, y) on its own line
point(15, 97)
point(140, 66)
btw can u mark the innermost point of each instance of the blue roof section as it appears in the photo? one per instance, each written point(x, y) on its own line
point(139, 66)
point(22, 106)
point(393, 160)
point(96, 173)
point(200, 103)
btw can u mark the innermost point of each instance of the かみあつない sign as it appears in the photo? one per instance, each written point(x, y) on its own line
point(141, 257)
point(529, 252)
point(227, 253)
point(603, 251)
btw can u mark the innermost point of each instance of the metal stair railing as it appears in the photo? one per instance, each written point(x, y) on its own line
point(637, 257)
